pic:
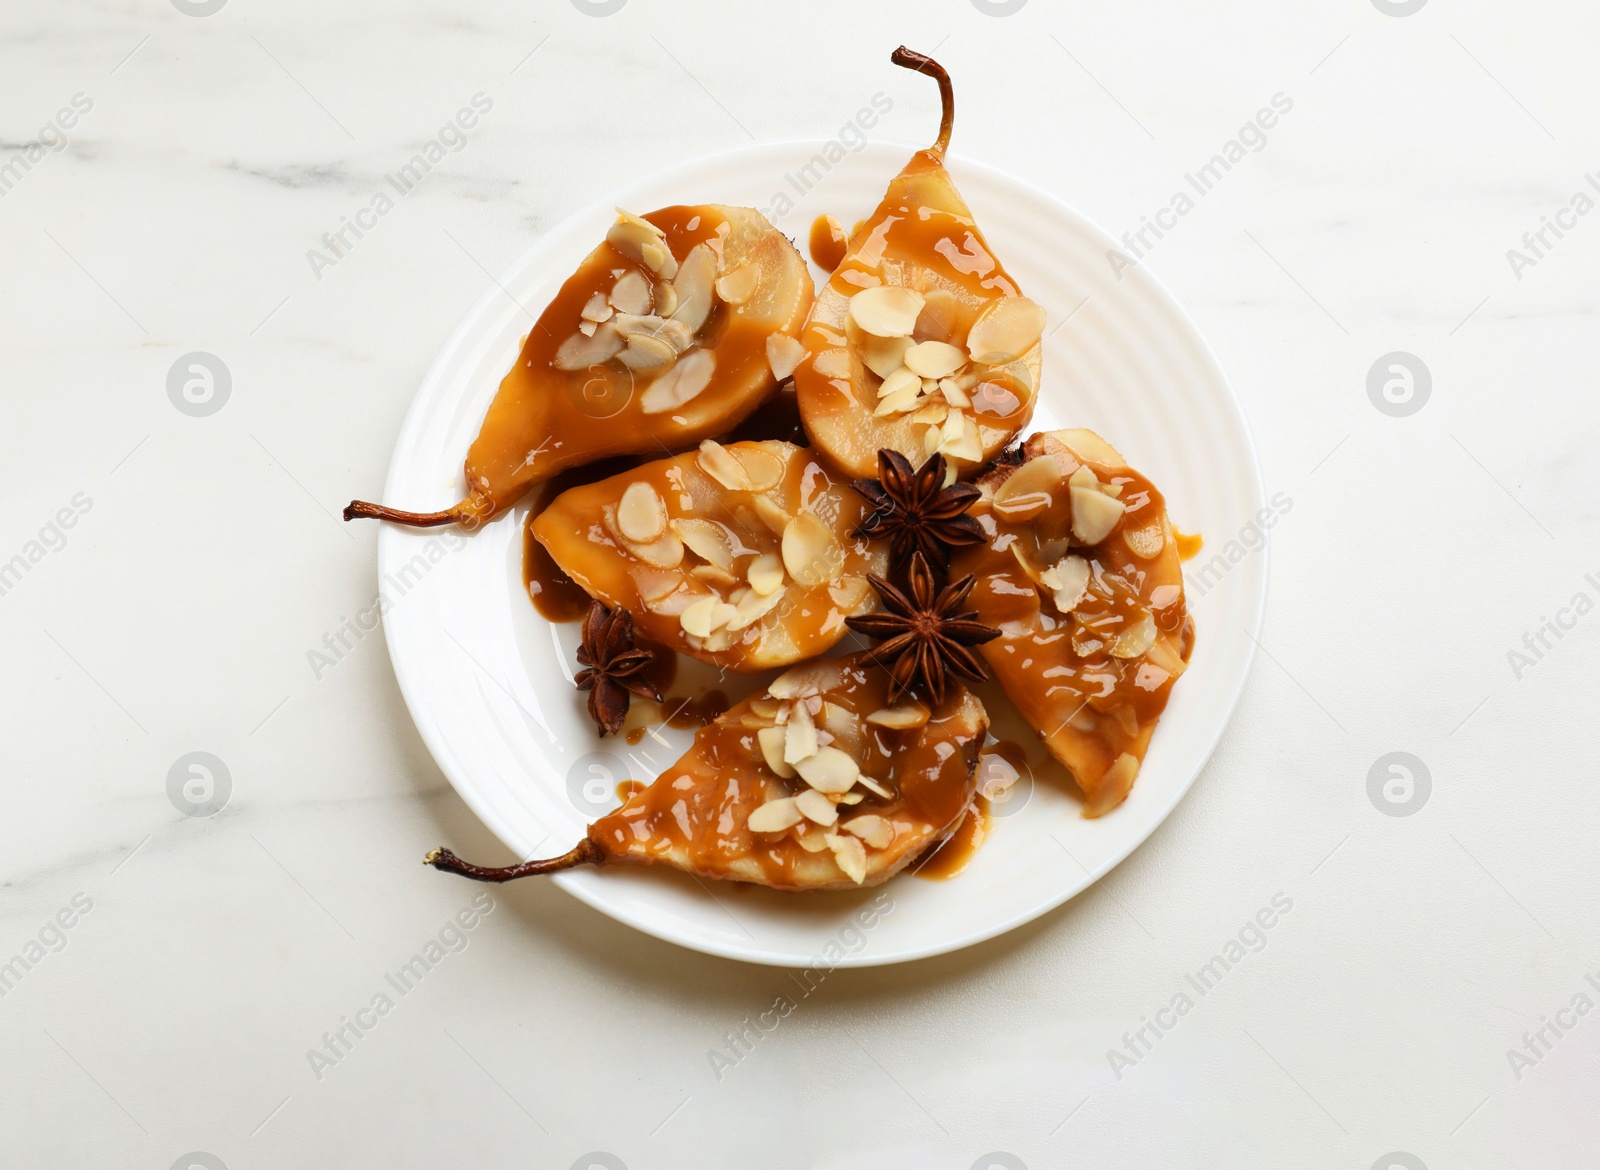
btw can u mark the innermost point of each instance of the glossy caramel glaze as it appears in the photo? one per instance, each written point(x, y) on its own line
point(694, 816)
point(948, 858)
point(545, 419)
point(827, 243)
point(1063, 672)
point(556, 596)
point(658, 583)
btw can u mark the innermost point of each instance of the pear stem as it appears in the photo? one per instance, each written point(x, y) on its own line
point(585, 852)
point(361, 510)
point(922, 63)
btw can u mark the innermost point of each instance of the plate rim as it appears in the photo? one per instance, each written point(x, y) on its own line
point(432, 736)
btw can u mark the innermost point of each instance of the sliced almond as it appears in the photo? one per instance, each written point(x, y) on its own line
point(1069, 581)
point(707, 539)
point(752, 607)
point(887, 310)
point(696, 619)
point(783, 354)
point(900, 400)
point(832, 363)
point(680, 384)
point(934, 414)
point(587, 328)
point(850, 854)
point(1026, 491)
point(940, 316)
point(1005, 329)
point(827, 769)
point(639, 239)
point(934, 359)
point(654, 584)
point(800, 736)
point(761, 467)
point(1094, 515)
point(667, 300)
point(766, 573)
point(816, 807)
point(693, 287)
point(641, 513)
point(954, 394)
point(770, 514)
point(1084, 477)
point(676, 334)
point(631, 294)
point(766, 708)
point(874, 787)
point(579, 352)
point(646, 352)
point(665, 552)
point(967, 445)
point(853, 595)
point(901, 717)
point(1147, 542)
point(870, 827)
point(712, 575)
point(811, 552)
point(813, 840)
point(850, 798)
point(737, 286)
point(597, 308)
point(719, 463)
point(802, 681)
point(883, 355)
point(775, 816)
point(1134, 641)
point(772, 740)
point(896, 381)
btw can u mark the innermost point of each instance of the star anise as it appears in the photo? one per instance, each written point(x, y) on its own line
point(915, 509)
point(925, 634)
point(613, 667)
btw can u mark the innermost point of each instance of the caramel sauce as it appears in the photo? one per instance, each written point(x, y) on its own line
point(921, 236)
point(1060, 670)
point(828, 242)
point(628, 789)
point(946, 859)
point(1188, 545)
point(579, 531)
point(544, 419)
point(695, 814)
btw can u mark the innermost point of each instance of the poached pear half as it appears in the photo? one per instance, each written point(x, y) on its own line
point(674, 329)
point(921, 341)
point(817, 783)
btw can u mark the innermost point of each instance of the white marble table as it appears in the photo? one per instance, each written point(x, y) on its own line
point(180, 567)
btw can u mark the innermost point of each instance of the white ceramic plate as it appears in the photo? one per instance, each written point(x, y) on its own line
point(489, 682)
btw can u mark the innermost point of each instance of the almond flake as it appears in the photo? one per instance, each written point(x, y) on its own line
point(1026, 491)
point(766, 573)
point(1094, 515)
point(693, 287)
point(774, 517)
point(811, 552)
point(761, 467)
point(883, 355)
point(772, 740)
point(1005, 329)
point(647, 352)
point(887, 310)
point(631, 294)
point(775, 816)
point(853, 595)
point(665, 552)
point(1136, 639)
point(828, 769)
point(1069, 580)
point(752, 607)
point(934, 359)
point(579, 352)
point(718, 462)
point(708, 540)
point(783, 354)
point(596, 309)
point(901, 717)
point(816, 807)
point(738, 286)
point(800, 736)
point(641, 513)
point(897, 380)
point(696, 620)
point(679, 384)
point(803, 681)
point(851, 856)
point(871, 828)
point(874, 787)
